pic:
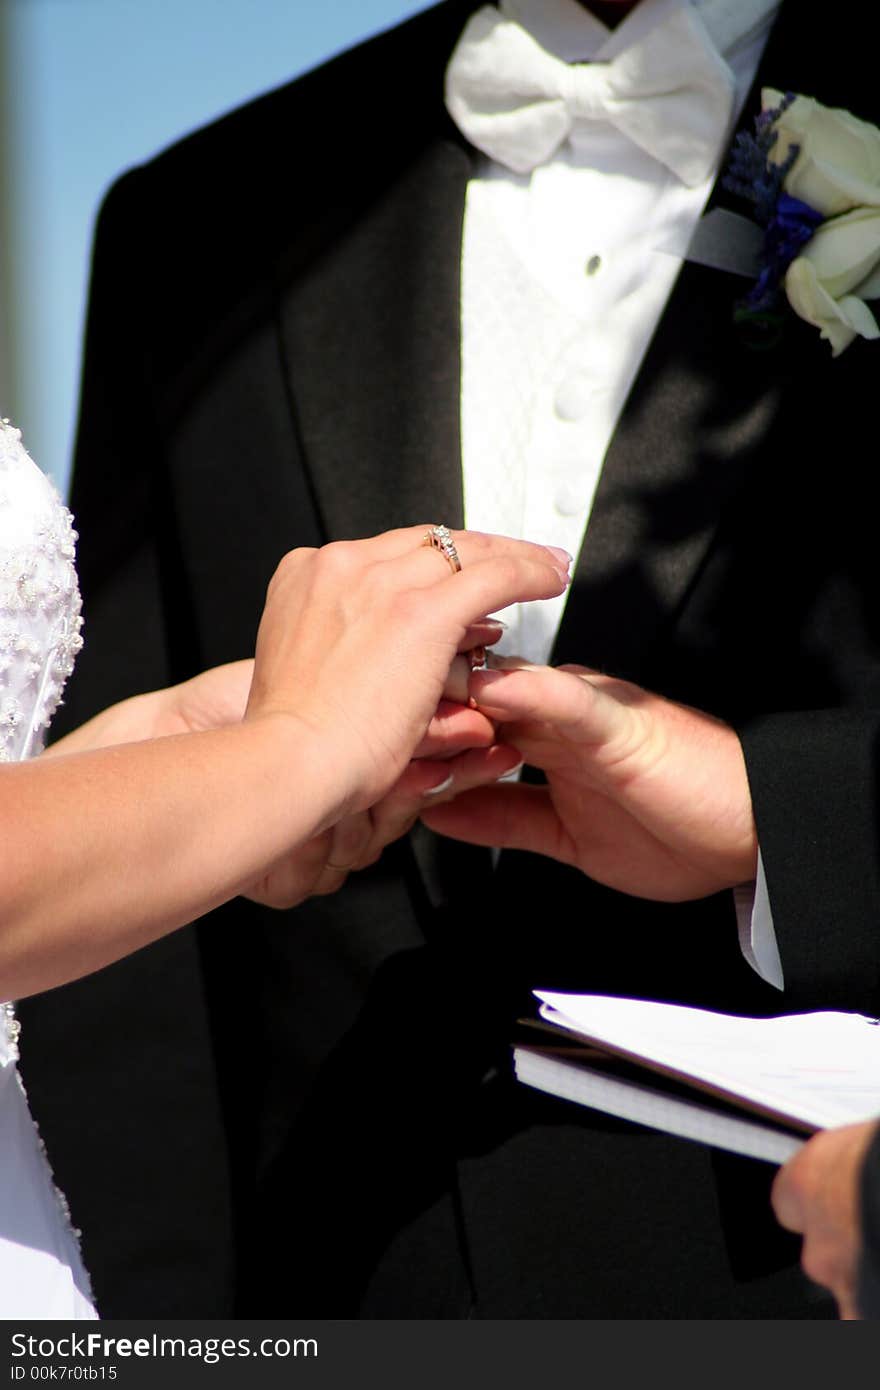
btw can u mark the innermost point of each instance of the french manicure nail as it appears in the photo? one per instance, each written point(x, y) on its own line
point(441, 787)
point(511, 771)
point(562, 555)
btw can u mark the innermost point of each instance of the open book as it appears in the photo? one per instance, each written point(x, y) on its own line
point(756, 1086)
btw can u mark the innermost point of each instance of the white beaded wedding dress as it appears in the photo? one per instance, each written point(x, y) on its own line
point(41, 1273)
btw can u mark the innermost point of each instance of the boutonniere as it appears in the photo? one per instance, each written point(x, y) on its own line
point(813, 176)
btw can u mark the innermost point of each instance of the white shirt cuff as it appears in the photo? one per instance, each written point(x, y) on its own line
point(757, 936)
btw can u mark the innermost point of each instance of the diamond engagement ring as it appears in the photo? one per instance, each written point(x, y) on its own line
point(440, 538)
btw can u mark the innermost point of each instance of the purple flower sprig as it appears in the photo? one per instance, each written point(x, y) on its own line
point(788, 222)
point(791, 226)
point(751, 174)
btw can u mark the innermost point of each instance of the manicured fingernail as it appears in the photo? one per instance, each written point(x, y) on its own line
point(441, 787)
point(493, 622)
point(511, 772)
point(560, 554)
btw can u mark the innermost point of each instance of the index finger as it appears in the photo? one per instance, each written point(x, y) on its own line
point(493, 582)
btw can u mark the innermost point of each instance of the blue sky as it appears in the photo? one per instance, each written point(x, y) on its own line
point(95, 86)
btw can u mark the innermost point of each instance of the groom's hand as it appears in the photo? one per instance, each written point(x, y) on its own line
point(644, 795)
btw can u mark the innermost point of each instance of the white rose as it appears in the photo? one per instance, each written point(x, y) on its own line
point(836, 172)
point(838, 166)
point(836, 271)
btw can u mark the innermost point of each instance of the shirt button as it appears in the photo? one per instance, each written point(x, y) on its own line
point(573, 398)
point(569, 500)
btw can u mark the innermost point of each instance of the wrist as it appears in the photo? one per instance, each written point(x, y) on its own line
point(315, 770)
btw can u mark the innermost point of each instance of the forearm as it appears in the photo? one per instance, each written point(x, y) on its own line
point(213, 699)
point(129, 721)
point(106, 851)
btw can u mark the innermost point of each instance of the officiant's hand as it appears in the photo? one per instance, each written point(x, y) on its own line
point(816, 1194)
point(644, 795)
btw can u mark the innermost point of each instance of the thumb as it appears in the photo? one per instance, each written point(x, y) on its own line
point(785, 1197)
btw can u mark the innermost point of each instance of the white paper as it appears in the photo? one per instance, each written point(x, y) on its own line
point(819, 1068)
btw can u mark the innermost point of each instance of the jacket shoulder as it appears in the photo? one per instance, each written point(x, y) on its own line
point(352, 114)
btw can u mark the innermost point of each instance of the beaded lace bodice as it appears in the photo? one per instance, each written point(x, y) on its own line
point(40, 618)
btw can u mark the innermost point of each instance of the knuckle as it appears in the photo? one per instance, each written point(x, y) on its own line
point(290, 565)
point(338, 557)
point(479, 545)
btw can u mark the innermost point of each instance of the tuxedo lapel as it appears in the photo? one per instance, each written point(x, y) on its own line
point(373, 359)
point(701, 407)
point(371, 339)
point(356, 372)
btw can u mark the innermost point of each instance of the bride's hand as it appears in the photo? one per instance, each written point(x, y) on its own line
point(358, 638)
point(359, 621)
point(208, 701)
point(219, 696)
point(323, 864)
point(455, 751)
point(458, 753)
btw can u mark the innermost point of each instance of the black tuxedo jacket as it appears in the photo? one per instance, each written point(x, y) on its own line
point(312, 1113)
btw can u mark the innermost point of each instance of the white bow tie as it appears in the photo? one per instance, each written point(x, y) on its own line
point(670, 93)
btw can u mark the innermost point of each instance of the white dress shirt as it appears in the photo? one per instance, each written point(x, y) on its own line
point(563, 284)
